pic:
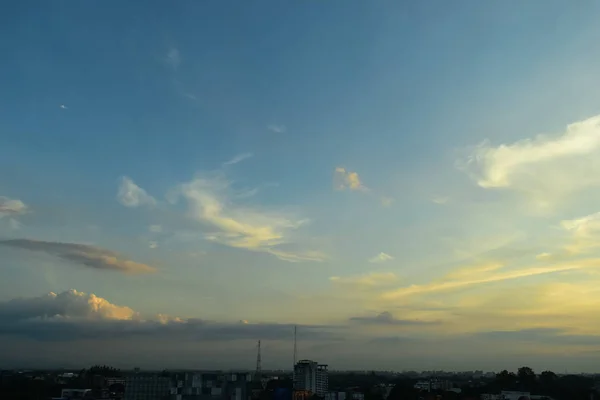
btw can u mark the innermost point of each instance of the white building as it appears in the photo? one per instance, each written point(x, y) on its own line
point(311, 376)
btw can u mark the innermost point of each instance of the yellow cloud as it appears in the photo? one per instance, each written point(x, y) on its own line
point(372, 279)
point(450, 285)
point(343, 179)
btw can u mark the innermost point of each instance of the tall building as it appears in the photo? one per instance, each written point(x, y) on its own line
point(311, 376)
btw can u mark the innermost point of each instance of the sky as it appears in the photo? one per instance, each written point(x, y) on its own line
point(415, 185)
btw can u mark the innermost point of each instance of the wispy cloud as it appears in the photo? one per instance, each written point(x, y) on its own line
point(211, 202)
point(479, 279)
point(386, 201)
point(131, 195)
point(380, 258)
point(277, 128)
point(545, 167)
point(343, 179)
point(440, 200)
point(155, 228)
point(64, 107)
point(173, 58)
point(82, 254)
point(373, 279)
point(238, 158)
point(386, 318)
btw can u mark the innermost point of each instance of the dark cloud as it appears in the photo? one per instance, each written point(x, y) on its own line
point(90, 256)
point(550, 336)
point(386, 318)
point(74, 315)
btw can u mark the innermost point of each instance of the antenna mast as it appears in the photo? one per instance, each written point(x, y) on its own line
point(257, 373)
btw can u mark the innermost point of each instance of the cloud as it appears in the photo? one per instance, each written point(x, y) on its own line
point(73, 315)
point(238, 158)
point(155, 228)
point(386, 201)
point(64, 107)
point(454, 284)
point(544, 167)
point(386, 318)
point(277, 128)
point(381, 258)
point(343, 179)
point(68, 304)
point(211, 202)
point(90, 256)
point(153, 244)
point(549, 336)
point(173, 58)
point(131, 195)
point(372, 279)
point(440, 200)
point(11, 207)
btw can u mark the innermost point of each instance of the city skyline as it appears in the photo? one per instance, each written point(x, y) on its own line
point(415, 186)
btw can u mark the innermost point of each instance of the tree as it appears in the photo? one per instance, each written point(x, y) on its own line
point(526, 376)
point(548, 378)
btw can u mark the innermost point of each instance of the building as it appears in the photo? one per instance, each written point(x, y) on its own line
point(311, 376)
point(147, 387)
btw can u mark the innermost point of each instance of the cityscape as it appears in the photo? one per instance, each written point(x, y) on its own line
point(309, 380)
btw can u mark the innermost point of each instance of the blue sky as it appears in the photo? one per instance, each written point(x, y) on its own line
point(371, 166)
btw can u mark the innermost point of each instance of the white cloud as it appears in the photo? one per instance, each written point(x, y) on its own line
point(440, 200)
point(64, 107)
point(343, 179)
point(544, 167)
point(381, 258)
point(173, 58)
point(211, 202)
point(238, 158)
point(277, 128)
point(131, 195)
point(11, 207)
point(153, 244)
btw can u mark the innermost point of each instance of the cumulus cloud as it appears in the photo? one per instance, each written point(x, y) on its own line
point(545, 167)
point(386, 318)
point(68, 304)
point(82, 254)
point(380, 258)
point(131, 195)
point(211, 202)
point(73, 315)
point(343, 179)
point(277, 128)
point(11, 207)
point(238, 158)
